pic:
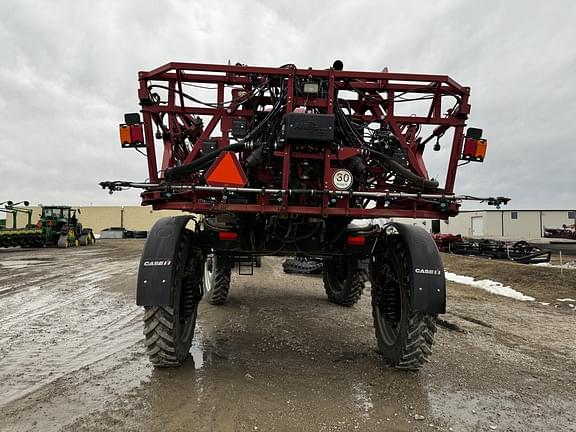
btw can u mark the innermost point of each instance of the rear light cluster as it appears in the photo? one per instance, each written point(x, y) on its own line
point(131, 135)
point(474, 146)
point(131, 131)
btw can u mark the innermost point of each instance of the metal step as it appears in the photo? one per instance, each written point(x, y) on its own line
point(246, 266)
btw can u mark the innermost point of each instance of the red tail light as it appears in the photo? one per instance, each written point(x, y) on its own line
point(474, 150)
point(132, 135)
point(356, 241)
point(228, 235)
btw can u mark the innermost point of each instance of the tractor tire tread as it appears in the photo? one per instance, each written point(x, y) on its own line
point(420, 338)
point(220, 287)
point(159, 338)
point(353, 294)
point(300, 266)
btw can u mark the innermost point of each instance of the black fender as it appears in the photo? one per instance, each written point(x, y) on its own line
point(157, 270)
point(427, 280)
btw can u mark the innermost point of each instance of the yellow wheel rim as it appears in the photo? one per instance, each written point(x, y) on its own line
point(72, 240)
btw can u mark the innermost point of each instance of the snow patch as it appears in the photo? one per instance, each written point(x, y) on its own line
point(566, 300)
point(488, 285)
point(571, 265)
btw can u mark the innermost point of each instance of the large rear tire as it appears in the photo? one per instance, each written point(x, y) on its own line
point(343, 281)
point(169, 330)
point(68, 238)
point(217, 274)
point(87, 239)
point(63, 241)
point(405, 337)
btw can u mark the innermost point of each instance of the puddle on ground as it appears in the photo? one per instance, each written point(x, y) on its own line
point(56, 327)
point(196, 350)
point(362, 399)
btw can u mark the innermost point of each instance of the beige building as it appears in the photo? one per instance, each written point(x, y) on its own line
point(500, 224)
point(100, 217)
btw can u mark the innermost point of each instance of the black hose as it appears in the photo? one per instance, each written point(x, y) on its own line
point(183, 170)
point(403, 171)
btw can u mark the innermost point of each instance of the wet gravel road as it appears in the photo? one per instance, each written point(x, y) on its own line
point(276, 357)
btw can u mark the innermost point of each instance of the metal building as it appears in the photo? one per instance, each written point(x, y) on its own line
point(500, 224)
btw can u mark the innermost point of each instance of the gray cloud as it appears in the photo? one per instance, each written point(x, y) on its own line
point(69, 72)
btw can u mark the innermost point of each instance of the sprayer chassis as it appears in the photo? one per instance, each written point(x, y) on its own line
point(367, 97)
point(280, 161)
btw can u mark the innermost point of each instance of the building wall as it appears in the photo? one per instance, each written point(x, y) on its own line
point(528, 224)
point(555, 219)
point(98, 218)
point(142, 218)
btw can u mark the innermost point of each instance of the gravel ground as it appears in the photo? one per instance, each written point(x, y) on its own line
point(277, 356)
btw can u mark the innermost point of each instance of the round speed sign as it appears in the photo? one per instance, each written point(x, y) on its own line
point(342, 179)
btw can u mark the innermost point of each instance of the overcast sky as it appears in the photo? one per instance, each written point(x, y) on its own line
point(68, 72)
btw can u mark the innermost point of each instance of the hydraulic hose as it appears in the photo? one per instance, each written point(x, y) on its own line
point(183, 170)
point(403, 171)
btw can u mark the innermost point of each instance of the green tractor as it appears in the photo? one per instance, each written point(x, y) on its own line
point(62, 229)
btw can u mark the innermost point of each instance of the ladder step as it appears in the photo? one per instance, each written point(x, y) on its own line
point(246, 266)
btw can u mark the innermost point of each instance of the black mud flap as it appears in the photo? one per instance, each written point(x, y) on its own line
point(157, 271)
point(428, 283)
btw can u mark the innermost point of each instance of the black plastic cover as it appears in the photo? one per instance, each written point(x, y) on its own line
point(209, 146)
point(157, 264)
point(132, 118)
point(474, 133)
point(428, 282)
point(309, 127)
point(239, 126)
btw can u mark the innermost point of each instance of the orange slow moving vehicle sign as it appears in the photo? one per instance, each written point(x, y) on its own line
point(226, 171)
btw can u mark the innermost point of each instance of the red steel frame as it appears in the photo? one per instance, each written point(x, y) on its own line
point(381, 89)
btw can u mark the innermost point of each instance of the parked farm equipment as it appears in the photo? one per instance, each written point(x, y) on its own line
point(62, 229)
point(23, 237)
point(518, 251)
point(566, 232)
point(28, 236)
point(57, 226)
point(279, 161)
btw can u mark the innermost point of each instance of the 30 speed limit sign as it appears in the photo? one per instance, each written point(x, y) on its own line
point(342, 179)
